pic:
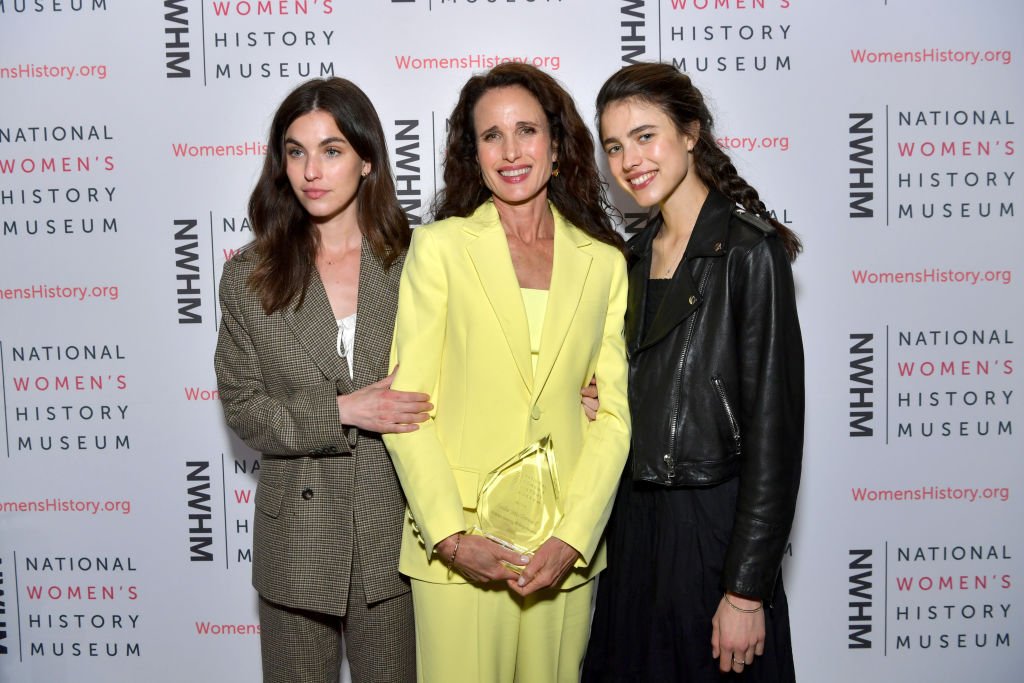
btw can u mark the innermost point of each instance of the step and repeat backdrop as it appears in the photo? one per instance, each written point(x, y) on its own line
point(885, 132)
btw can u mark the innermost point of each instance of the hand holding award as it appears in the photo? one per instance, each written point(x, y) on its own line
point(518, 505)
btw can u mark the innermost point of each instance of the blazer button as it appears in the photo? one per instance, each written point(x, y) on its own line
point(307, 493)
point(535, 413)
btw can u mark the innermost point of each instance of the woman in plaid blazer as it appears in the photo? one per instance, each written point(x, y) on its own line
point(302, 369)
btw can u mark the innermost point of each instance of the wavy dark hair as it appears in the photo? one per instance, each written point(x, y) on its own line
point(286, 242)
point(671, 91)
point(577, 192)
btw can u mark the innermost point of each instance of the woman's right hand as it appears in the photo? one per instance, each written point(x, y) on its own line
point(378, 408)
point(589, 400)
point(479, 558)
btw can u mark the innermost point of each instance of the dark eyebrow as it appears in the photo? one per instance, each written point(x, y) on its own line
point(635, 131)
point(323, 143)
point(495, 129)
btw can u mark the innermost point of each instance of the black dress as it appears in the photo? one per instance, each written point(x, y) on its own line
point(656, 599)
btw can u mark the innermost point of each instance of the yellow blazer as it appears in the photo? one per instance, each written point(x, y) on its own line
point(462, 336)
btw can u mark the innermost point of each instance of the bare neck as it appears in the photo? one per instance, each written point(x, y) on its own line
point(527, 222)
point(680, 210)
point(339, 236)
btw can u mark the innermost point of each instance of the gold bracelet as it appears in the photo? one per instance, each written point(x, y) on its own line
point(755, 610)
point(455, 551)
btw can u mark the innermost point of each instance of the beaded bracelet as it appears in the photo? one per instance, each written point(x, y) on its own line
point(754, 610)
point(455, 551)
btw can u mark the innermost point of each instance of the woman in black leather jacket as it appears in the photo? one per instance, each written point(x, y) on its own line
point(717, 398)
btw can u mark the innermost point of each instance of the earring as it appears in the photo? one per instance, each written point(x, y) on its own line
point(554, 169)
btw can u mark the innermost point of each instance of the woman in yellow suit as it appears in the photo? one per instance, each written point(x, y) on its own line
point(507, 308)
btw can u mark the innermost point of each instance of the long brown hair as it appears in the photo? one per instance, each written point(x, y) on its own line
point(285, 240)
point(577, 191)
point(671, 91)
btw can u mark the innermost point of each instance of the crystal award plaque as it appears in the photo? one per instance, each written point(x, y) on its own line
point(518, 505)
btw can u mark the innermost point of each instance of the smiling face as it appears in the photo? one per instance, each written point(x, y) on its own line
point(513, 145)
point(648, 156)
point(323, 169)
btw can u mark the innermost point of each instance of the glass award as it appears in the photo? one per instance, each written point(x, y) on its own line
point(519, 505)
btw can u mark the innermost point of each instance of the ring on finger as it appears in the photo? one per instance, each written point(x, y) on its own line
point(738, 661)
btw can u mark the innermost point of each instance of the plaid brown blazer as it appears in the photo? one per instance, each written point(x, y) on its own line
point(325, 490)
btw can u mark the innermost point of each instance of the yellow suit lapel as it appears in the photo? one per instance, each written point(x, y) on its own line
point(493, 263)
point(568, 276)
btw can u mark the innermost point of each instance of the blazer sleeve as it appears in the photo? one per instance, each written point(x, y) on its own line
point(588, 501)
point(305, 422)
point(416, 350)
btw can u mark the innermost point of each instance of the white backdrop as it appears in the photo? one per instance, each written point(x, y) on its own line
point(884, 132)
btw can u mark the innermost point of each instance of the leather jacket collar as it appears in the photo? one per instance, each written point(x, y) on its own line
point(710, 238)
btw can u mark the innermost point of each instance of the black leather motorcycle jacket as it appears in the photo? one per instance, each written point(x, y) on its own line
point(716, 384)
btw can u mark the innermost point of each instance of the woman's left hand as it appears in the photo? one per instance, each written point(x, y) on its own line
point(736, 637)
point(548, 567)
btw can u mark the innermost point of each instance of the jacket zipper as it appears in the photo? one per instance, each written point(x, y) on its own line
point(733, 425)
point(677, 389)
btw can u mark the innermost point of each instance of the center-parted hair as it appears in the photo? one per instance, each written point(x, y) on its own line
point(577, 191)
point(286, 241)
point(671, 91)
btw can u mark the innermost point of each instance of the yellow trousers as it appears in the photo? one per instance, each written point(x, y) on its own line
point(469, 634)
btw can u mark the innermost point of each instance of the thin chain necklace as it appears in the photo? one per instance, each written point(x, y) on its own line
point(674, 262)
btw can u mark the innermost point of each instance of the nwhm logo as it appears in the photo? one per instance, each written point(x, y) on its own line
point(176, 45)
point(859, 620)
point(633, 43)
point(862, 165)
point(200, 514)
point(407, 169)
point(862, 384)
point(187, 272)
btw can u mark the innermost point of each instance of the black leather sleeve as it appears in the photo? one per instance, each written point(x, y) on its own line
point(771, 416)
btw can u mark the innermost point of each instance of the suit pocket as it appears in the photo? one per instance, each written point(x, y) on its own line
point(268, 499)
point(468, 482)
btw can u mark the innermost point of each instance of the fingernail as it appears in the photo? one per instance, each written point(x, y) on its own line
point(521, 582)
point(525, 559)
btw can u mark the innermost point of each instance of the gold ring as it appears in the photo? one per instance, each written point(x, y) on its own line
point(738, 661)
